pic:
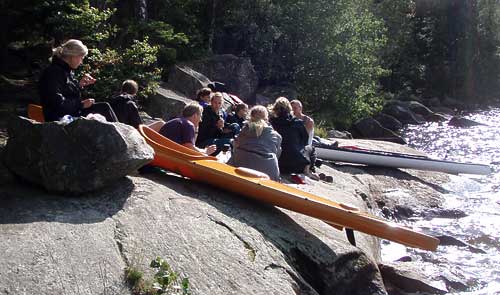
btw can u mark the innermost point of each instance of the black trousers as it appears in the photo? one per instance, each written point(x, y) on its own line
point(102, 108)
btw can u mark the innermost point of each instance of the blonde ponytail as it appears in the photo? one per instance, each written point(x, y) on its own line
point(71, 47)
point(258, 119)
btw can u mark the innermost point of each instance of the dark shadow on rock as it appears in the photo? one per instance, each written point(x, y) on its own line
point(318, 269)
point(21, 203)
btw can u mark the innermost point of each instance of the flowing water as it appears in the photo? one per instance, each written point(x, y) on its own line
point(477, 196)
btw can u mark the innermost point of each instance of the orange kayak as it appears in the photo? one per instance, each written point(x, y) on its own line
point(257, 185)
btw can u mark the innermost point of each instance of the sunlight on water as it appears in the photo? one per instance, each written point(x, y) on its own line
point(477, 196)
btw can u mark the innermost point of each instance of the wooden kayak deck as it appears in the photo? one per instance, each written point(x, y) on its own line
point(199, 167)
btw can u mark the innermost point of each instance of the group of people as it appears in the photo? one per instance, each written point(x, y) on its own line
point(280, 143)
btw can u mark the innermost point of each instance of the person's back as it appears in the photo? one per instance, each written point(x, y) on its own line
point(180, 130)
point(124, 106)
point(296, 155)
point(258, 146)
point(294, 139)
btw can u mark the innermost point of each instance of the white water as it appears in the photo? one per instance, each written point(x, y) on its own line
point(477, 196)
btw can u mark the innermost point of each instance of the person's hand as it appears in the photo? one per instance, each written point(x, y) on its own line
point(87, 80)
point(210, 149)
point(220, 123)
point(87, 103)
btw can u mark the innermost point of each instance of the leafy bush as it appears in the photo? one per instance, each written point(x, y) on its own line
point(113, 66)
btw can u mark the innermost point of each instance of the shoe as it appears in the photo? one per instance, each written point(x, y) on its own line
point(322, 176)
point(318, 163)
point(313, 176)
point(329, 179)
point(297, 179)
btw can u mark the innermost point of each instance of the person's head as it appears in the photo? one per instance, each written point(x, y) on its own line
point(258, 119)
point(216, 101)
point(241, 110)
point(282, 107)
point(296, 107)
point(204, 94)
point(130, 87)
point(193, 112)
point(72, 52)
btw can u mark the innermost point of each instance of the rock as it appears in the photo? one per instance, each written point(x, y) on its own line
point(5, 175)
point(18, 90)
point(444, 110)
point(418, 108)
point(408, 280)
point(166, 103)
point(371, 128)
point(82, 156)
point(451, 241)
point(444, 213)
point(339, 134)
point(463, 122)
point(186, 81)
point(236, 73)
point(437, 117)
point(402, 113)
point(224, 244)
point(268, 94)
point(388, 121)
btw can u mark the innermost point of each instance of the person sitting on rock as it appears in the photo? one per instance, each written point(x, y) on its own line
point(211, 129)
point(239, 115)
point(296, 156)
point(258, 146)
point(60, 91)
point(308, 121)
point(124, 106)
point(203, 96)
point(183, 130)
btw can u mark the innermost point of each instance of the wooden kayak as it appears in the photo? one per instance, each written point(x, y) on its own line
point(352, 154)
point(257, 185)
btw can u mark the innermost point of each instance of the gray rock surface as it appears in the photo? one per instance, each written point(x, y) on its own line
point(224, 243)
point(388, 122)
point(84, 155)
point(402, 112)
point(185, 80)
point(238, 74)
point(166, 103)
point(371, 128)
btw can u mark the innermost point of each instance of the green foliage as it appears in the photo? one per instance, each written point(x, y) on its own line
point(165, 280)
point(113, 66)
point(80, 21)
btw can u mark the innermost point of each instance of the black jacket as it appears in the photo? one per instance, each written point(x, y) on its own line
point(208, 127)
point(294, 140)
point(126, 110)
point(233, 118)
point(59, 91)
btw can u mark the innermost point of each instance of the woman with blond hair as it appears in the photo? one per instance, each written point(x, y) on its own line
point(258, 146)
point(297, 156)
point(60, 91)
